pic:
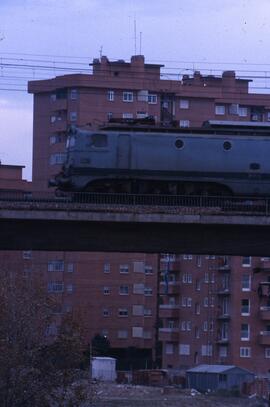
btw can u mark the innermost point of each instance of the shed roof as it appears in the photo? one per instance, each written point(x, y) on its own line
point(216, 369)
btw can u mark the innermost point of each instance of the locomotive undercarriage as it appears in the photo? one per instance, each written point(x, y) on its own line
point(157, 187)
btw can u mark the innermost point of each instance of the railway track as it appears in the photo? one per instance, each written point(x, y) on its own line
point(86, 201)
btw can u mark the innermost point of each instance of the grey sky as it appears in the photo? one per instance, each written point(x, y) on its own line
point(176, 31)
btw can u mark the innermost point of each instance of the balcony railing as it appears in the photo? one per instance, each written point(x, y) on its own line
point(264, 338)
point(169, 311)
point(169, 334)
point(265, 313)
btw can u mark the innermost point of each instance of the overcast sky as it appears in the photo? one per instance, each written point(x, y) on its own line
point(184, 34)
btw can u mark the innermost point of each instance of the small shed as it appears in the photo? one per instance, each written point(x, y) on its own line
point(103, 368)
point(218, 377)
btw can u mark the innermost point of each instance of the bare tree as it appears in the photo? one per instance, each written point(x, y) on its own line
point(36, 369)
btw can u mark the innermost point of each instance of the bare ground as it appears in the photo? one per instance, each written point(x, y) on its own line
point(119, 395)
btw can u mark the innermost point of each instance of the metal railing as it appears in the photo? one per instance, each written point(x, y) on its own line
point(214, 204)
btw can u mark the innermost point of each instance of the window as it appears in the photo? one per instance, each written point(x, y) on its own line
point(106, 267)
point(245, 352)
point(207, 350)
point(110, 95)
point(188, 325)
point(56, 138)
point(122, 334)
point(184, 349)
point(53, 97)
point(212, 277)
point(148, 291)
point(141, 115)
point(137, 332)
point(233, 108)
point(197, 308)
point(219, 109)
point(205, 326)
point(187, 278)
point(124, 268)
point(148, 270)
point(152, 99)
point(184, 123)
point(189, 302)
point(199, 261)
point(246, 261)
point(123, 289)
point(122, 312)
point(138, 288)
point(53, 119)
point(73, 94)
point(109, 116)
point(106, 290)
point(57, 158)
point(245, 307)
point(223, 351)
point(243, 111)
point(268, 116)
point(198, 284)
point(147, 312)
point(267, 353)
point(205, 302)
point(105, 312)
point(27, 254)
point(73, 116)
point(206, 277)
point(184, 301)
point(169, 348)
point(56, 265)
point(127, 115)
point(138, 310)
point(55, 286)
point(244, 332)
point(147, 334)
point(183, 325)
point(187, 256)
point(127, 96)
point(184, 104)
point(69, 288)
point(197, 332)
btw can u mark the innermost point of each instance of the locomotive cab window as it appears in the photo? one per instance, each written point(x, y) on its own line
point(99, 140)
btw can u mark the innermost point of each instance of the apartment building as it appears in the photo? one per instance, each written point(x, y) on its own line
point(215, 309)
point(131, 90)
point(202, 310)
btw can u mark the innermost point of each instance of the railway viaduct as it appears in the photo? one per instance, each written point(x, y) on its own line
point(56, 227)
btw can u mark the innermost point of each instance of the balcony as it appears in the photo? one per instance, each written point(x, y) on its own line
point(264, 289)
point(59, 104)
point(264, 338)
point(169, 311)
point(173, 287)
point(224, 268)
point(59, 126)
point(265, 313)
point(222, 341)
point(223, 317)
point(169, 334)
point(223, 291)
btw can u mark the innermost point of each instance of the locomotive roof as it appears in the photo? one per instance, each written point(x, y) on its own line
point(219, 130)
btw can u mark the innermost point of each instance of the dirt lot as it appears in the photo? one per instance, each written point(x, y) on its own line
point(118, 395)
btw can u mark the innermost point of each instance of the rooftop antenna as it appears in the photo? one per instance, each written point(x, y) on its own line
point(100, 51)
point(140, 43)
point(135, 37)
